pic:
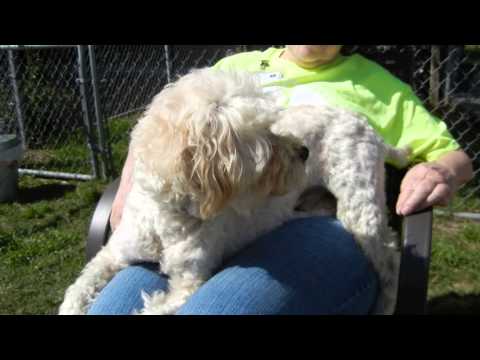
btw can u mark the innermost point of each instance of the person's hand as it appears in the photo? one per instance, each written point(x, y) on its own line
point(123, 189)
point(425, 185)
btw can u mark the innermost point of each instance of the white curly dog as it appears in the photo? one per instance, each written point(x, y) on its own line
point(217, 164)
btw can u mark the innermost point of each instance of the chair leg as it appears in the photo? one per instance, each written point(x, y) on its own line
point(415, 262)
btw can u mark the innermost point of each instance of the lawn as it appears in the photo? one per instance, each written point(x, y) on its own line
point(42, 234)
point(42, 241)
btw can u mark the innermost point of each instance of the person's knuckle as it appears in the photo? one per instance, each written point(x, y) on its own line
point(427, 185)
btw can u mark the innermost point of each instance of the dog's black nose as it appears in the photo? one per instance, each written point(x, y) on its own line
point(303, 152)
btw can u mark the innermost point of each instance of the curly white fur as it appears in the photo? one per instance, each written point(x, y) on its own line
point(205, 161)
point(217, 164)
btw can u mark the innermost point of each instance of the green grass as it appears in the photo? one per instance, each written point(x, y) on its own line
point(454, 285)
point(74, 156)
point(42, 241)
point(42, 234)
point(475, 48)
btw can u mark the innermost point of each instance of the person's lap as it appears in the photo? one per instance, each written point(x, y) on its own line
point(307, 266)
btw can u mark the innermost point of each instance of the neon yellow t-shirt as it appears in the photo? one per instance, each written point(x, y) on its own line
point(358, 84)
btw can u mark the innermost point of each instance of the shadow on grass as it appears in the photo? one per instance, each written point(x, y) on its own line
point(455, 304)
point(27, 195)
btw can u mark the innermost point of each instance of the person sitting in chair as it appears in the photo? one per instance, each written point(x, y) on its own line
point(313, 265)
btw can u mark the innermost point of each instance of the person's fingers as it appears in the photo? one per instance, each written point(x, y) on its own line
point(419, 189)
point(409, 185)
point(413, 176)
point(416, 198)
point(402, 197)
point(426, 194)
point(440, 195)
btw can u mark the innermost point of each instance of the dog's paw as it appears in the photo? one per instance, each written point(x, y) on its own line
point(152, 311)
point(75, 302)
point(155, 304)
point(68, 308)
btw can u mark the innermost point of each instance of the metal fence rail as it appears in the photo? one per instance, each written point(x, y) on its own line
point(74, 105)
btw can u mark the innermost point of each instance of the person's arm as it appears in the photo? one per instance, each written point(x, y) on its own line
point(433, 183)
point(123, 189)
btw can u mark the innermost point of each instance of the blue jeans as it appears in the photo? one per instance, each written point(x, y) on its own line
point(307, 266)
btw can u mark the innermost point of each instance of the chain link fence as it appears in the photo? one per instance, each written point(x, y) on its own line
point(74, 106)
point(45, 100)
point(453, 94)
point(7, 102)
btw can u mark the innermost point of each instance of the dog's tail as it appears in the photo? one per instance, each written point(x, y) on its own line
point(399, 156)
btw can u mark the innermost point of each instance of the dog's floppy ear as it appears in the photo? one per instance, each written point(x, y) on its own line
point(156, 144)
point(211, 164)
point(274, 179)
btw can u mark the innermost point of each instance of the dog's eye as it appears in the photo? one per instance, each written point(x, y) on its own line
point(303, 153)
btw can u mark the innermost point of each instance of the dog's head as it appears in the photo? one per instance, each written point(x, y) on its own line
point(207, 136)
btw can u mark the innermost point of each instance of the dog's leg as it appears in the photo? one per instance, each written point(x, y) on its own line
point(357, 179)
point(93, 278)
point(188, 264)
point(381, 243)
point(386, 261)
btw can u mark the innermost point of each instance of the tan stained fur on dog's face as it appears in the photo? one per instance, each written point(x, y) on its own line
point(207, 136)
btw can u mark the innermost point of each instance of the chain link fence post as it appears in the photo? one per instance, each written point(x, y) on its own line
point(17, 97)
point(102, 131)
point(81, 49)
point(168, 63)
point(434, 95)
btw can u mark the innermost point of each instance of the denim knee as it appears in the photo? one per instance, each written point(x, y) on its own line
point(308, 266)
point(122, 295)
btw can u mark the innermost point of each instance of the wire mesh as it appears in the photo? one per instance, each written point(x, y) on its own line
point(45, 99)
point(7, 103)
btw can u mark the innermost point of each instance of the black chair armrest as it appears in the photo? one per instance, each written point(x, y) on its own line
point(99, 229)
point(416, 235)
